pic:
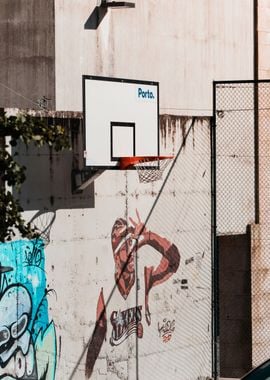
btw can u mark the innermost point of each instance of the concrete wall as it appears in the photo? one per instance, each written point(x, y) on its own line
point(62, 288)
point(263, 39)
point(77, 312)
point(27, 53)
point(47, 44)
point(236, 171)
point(184, 45)
point(235, 157)
point(260, 233)
point(261, 241)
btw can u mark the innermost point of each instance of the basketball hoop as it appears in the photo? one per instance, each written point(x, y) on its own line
point(149, 168)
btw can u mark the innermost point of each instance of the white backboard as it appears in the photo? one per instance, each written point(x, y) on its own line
point(120, 120)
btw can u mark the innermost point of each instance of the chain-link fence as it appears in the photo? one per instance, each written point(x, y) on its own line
point(235, 157)
point(161, 329)
point(182, 213)
point(241, 140)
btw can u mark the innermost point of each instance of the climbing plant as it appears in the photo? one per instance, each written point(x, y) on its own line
point(27, 129)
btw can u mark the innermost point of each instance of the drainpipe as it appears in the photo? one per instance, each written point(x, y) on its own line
point(256, 108)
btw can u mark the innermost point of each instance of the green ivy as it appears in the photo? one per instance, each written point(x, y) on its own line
point(28, 129)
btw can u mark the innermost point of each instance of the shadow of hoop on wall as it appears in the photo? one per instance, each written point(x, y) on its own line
point(42, 222)
point(48, 184)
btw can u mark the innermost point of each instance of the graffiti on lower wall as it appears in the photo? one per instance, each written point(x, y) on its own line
point(27, 335)
point(124, 323)
point(166, 329)
point(127, 240)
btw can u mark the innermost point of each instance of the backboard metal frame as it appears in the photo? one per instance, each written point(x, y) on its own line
point(114, 122)
point(122, 124)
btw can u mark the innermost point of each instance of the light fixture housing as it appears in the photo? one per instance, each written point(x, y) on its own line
point(117, 4)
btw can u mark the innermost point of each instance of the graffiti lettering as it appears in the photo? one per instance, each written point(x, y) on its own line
point(165, 329)
point(125, 323)
point(27, 338)
point(33, 255)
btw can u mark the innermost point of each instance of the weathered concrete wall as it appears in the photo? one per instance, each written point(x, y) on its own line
point(184, 45)
point(261, 241)
point(263, 39)
point(27, 67)
point(239, 182)
point(79, 270)
point(235, 157)
point(260, 233)
point(76, 279)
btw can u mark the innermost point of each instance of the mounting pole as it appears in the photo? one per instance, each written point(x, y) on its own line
point(81, 179)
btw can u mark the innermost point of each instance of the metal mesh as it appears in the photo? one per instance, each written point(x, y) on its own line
point(150, 171)
point(261, 236)
point(235, 157)
point(242, 120)
point(182, 214)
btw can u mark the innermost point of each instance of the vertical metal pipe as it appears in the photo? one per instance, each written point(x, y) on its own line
point(255, 41)
point(256, 110)
point(137, 305)
point(214, 249)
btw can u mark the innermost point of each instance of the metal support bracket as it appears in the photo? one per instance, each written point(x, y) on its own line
point(117, 4)
point(81, 179)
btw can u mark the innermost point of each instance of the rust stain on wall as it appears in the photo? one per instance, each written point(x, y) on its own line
point(172, 125)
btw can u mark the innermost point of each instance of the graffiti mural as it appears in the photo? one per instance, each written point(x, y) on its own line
point(126, 241)
point(27, 336)
point(125, 323)
point(166, 329)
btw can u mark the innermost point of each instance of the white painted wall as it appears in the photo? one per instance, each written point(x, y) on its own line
point(263, 38)
point(260, 242)
point(184, 45)
point(235, 158)
point(79, 260)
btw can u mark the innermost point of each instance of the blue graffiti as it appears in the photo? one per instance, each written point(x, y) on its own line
point(27, 336)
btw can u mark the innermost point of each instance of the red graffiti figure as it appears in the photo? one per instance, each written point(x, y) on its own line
point(126, 241)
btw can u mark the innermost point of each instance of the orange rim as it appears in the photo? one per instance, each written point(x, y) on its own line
point(126, 162)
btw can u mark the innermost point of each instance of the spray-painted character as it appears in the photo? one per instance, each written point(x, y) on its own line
point(17, 357)
point(27, 337)
point(126, 240)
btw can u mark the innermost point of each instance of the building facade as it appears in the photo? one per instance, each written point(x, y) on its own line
point(92, 302)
